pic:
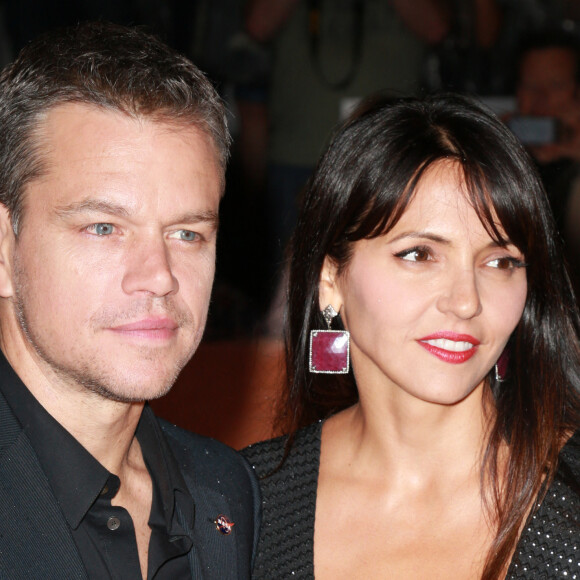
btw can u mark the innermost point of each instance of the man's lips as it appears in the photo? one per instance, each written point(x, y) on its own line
point(157, 328)
point(449, 346)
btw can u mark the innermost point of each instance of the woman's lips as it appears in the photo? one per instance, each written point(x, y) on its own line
point(450, 347)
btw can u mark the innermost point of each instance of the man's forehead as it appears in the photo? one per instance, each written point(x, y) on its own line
point(71, 129)
point(70, 118)
point(76, 141)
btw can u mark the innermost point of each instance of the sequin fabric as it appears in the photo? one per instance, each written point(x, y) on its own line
point(285, 548)
point(549, 547)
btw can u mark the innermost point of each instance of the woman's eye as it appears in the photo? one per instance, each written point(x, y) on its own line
point(506, 263)
point(415, 255)
point(101, 229)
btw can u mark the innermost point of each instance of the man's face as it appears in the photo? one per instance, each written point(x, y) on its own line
point(547, 84)
point(112, 270)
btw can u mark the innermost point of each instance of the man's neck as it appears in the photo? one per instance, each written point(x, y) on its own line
point(105, 428)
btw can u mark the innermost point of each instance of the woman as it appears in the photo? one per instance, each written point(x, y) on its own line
point(449, 448)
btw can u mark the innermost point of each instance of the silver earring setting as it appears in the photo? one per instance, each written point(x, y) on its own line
point(329, 349)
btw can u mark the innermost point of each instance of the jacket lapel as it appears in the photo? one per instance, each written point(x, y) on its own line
point(35, 541)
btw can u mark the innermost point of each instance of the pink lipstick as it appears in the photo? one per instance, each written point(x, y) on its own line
point(450, 347)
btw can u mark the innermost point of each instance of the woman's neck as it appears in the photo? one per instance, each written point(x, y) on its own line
point(415, 441)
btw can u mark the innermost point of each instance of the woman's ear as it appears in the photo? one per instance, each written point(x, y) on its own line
point(7, 240)
point(328, 290)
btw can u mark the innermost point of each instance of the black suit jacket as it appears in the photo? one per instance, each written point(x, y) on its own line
point(35, 542)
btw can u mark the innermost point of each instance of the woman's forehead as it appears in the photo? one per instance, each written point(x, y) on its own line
point(441, 192)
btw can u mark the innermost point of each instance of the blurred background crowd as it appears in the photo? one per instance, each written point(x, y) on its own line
point(289, 70)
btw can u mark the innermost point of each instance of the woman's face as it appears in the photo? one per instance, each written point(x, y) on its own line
point(431, 304)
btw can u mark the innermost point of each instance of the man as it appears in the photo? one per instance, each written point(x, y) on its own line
point(547, 88)
point(112, 157)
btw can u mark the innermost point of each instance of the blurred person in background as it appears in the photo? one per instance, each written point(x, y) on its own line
point(548, 122)
point(326, 56)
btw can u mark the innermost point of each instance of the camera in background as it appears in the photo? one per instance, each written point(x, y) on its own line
point(535, 130)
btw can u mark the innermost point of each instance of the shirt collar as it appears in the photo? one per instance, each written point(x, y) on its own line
point(76, 477)
point(168, 482)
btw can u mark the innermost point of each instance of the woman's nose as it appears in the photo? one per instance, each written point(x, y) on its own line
point(461, 295)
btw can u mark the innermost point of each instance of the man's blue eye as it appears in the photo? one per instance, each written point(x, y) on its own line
point(103, 229)
point(187, 235)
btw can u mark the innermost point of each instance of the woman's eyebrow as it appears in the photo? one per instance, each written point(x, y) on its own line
point(421, 235)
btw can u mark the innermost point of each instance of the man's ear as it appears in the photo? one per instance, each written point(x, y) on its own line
point(328, 290)
point(7, 240)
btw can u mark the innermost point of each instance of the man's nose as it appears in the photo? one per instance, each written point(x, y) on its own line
point(148, 268)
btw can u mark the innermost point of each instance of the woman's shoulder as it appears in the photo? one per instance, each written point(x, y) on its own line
point(266, 456)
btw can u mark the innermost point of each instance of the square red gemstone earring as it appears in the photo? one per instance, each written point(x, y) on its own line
point(329, 349)
point(501, 366)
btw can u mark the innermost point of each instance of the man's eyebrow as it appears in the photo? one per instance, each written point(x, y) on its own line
point(111, 208)
point(91, 205)
point(194, 217)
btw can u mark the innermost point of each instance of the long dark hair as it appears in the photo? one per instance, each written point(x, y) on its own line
point(361, 187)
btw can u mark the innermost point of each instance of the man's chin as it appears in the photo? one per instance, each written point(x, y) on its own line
point(123, 393)
point(126, 381)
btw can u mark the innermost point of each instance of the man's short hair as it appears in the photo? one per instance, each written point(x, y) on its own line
point(107, 65)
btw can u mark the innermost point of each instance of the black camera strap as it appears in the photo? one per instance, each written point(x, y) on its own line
point(314, 33)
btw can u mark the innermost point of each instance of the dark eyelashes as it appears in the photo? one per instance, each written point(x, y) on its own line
point(516, 262)
point(416, 249)
point(424, 253)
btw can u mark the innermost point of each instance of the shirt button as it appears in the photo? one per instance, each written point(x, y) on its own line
point(105, 490)
point(113, 523)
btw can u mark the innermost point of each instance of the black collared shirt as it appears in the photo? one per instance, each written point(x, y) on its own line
point(104, 534)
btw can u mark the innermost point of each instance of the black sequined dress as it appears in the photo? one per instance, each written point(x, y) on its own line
point(549, 547)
